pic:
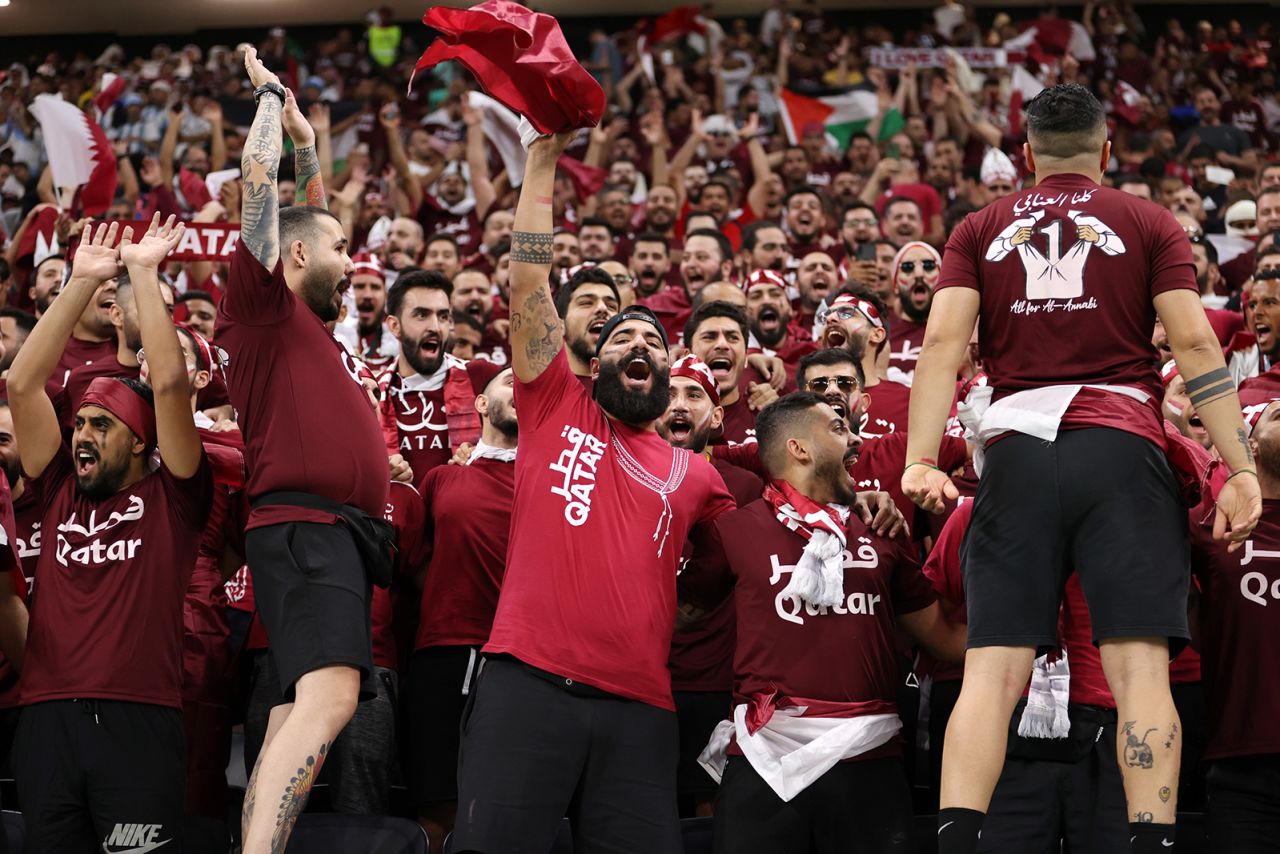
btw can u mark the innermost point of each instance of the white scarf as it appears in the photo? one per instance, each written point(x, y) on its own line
point(491, 452)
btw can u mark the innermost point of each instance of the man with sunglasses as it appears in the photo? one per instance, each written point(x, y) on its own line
point(915, 275)
point(1065, 282)
point(857, 321)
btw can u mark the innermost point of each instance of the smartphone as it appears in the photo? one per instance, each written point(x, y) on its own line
point(893, 151)
point(866, 252)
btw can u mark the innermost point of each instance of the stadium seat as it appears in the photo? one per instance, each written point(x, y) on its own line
point(326, 833)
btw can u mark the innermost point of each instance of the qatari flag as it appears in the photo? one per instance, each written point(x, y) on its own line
point(79, 153)
point(519, 57)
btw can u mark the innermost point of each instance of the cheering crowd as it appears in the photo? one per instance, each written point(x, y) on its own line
point(570, 476)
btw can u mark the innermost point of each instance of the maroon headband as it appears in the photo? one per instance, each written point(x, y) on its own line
point(125, 404)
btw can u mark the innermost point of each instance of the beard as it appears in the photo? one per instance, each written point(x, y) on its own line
point(503, 418)
point(633, 407)
point(832, 472)
point(918, 315)
point(582, 348)
point(411, 349)
point(318, 291)
point(367, 306)
point(1269, 455)
point(106, 480)
point(12, 472)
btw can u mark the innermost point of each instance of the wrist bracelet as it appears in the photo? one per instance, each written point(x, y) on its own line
point(930, 465)
point(1241, 471)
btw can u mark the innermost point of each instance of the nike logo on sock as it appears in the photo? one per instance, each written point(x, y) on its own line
point(944, 827)
point(1166, 843)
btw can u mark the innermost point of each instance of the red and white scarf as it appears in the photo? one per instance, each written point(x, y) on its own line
point(818, 577)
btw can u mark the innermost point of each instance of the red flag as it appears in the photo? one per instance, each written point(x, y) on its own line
point(587, 180)
point(40, 240)
point(96, 196)
point(678, 22)
point(519, 57)
point(112, 87)
point(79, 153)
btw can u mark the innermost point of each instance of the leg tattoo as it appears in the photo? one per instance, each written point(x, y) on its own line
point(1137, 753)
point(294, 799)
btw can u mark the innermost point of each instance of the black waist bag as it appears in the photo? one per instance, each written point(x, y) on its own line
point(375, 537)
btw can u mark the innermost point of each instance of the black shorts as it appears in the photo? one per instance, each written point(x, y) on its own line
point(100, 776)
point(697, 714)
point(1243, 813)
point(1100, 502)
point(537, 747)
point(440, 680)
point(313, 595)
point(865, 801)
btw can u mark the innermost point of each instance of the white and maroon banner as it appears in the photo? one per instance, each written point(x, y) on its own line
point(204, 241)
point(927, 57)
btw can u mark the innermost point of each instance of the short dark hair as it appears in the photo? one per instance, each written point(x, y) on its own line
point(140, 388)
point(1064, 121)
point(650, 237)
point(597, 221)
point(24, 320)
point(777, 423)
point(858, 206)
point(58, 256)
point(898, 200)
point(300, 222)
point(441, 237)
point(190, 295)
point(432, 280)
point(585, 276)
point(461, 318)
point(716, 308)
point(751, 233)
point(1202, 151)
point(825, 358)
point(726, 248)
point(806, 190)
point(1210, 251)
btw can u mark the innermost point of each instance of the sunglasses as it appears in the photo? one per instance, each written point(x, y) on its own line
point(623, 279)
point(844, 312)
point(909, 267)
point(820, 384)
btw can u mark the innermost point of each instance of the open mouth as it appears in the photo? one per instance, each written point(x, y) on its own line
point(86, 461)
point(475, 308)
point(695, 277)
point(1262, 331)
point(839, 406)
point(597, 326)
point(365, 307)
point(720, 367)
point(769, 318)
point(1196, 424)
point(637, 371)
point(835, 337)
point(430, 347)
point(679, 427)
point(805, 220)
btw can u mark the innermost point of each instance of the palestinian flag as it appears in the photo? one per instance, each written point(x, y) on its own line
point(840, 115)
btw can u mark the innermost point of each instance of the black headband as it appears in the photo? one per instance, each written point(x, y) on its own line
point(635, 312)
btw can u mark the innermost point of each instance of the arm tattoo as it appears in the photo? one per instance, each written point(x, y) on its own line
point(306, 166)
point(1210, 386)
point(295, 797)
point(531, 247)
point(1243, 439)
point(537, 323)
point(260, 206)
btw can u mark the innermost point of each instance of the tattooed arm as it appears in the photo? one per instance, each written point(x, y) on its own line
point(306, 162)
point(1210, 387)
point(260, 206)
point(536, 332)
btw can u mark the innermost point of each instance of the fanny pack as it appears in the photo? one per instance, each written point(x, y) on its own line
point(375, 537)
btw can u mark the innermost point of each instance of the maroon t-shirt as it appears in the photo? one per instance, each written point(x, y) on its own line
point(1239, 595)
point(468, 518)
point(601, 514)
point(702, 653)
point(881, 461)
point(408, 514)
point(464, 228)
point(106, 615)
point(26, 511)
point(847, 654)
point(10, 565)
point(739, 424)
point(1062, 309)
point(672, 306)
point(422, 429)
point(906, 337)
point(308, 423)
point(79, 353)
point(890, 404)
point(107, 366)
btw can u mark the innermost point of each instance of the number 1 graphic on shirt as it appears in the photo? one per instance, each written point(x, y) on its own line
point(1051, 275)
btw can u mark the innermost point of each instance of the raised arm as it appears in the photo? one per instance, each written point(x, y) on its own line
point(318, 118)
point(260, 164)
point(413, 187)
point(34, 418)
point(306, 162)
point(536, 332)
point(478, 160)
point(176, 435)
point(212, 113)
point(169, 144)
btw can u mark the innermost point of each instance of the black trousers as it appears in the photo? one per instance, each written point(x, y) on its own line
point(855, 808)
point(537, 747)
point(1243, 813)
point(100, 776)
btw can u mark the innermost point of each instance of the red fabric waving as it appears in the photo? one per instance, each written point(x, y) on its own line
point(521, 58)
